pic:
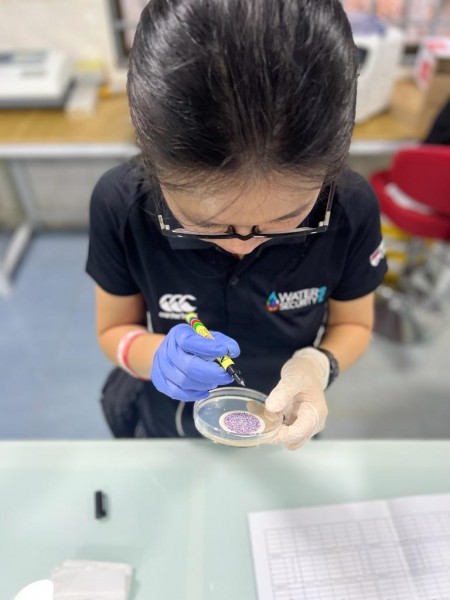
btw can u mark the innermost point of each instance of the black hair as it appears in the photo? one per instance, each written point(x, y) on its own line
point(220, 88)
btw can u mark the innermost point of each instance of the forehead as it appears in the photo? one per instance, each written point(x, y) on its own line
point(256, 200)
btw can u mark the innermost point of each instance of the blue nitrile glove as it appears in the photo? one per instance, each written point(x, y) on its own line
point(184, 367)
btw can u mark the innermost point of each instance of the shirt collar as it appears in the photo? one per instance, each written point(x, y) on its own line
point(188, 244)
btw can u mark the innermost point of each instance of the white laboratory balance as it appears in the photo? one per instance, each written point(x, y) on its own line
point(35, 78)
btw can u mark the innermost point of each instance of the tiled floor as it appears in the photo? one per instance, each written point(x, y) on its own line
point(51, 368)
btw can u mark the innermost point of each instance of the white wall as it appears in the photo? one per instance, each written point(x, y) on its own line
point(79, 27)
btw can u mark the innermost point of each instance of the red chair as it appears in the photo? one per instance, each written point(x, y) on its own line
point(415, 192)
point(415, 195)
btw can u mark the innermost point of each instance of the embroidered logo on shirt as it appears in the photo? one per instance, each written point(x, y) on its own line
point(272, 302)
point(378, 254)
point(176, 306)
point(299, 299)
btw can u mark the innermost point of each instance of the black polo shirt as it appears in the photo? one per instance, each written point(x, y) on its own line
point(272, 302)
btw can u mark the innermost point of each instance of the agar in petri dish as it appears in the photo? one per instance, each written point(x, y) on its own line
point(236, 417)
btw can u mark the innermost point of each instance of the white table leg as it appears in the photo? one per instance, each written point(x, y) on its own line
point(23, 233)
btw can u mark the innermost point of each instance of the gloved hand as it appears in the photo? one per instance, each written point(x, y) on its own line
point(299, 395)
point(184, 367)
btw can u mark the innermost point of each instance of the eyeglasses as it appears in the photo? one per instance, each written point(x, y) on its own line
point(322, 226)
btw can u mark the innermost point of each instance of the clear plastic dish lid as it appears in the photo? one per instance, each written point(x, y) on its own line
point(236, 417)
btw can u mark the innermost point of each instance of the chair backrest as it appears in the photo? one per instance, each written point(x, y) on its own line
point(423, 173)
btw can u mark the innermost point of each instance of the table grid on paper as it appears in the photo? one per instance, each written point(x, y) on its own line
point(372, 559)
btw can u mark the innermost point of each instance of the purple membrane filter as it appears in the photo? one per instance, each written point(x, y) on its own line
point(241, 423)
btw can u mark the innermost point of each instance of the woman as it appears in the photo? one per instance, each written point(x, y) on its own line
point(240, 210)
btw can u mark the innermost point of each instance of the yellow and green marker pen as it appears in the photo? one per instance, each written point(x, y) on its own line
point(224, 361)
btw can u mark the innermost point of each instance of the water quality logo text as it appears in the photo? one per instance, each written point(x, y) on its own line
point(298, 299)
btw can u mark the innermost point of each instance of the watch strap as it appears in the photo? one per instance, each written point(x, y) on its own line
point(334, 365)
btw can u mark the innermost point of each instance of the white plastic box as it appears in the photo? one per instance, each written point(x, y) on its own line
point(378, 71)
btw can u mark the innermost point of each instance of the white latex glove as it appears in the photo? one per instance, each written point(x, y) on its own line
point(299, 396)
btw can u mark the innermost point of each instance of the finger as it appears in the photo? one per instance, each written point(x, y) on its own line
point(308, 420)
point(260, 411)
point(220, 345)
point(290, 437)
point(297, 446)
point(304, 427)
point(167, 387)
point(279, 397)
point(233, 348)
point(188, 371)
point(186, 395)
point(290, 416)
point(206, 348)
point(206, 372)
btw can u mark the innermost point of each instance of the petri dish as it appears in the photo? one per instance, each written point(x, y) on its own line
point(236, 417)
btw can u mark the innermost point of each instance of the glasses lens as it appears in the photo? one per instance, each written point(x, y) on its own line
point(316, 222)
point(299, 232)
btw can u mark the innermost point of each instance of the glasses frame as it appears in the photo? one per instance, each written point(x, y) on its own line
point(297, 232)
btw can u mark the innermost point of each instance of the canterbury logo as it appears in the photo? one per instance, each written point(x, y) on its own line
point(176, 306)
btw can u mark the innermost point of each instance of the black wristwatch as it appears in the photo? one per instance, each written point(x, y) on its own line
point(334, 365)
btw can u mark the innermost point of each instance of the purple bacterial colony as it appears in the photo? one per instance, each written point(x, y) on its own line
point(242, 423)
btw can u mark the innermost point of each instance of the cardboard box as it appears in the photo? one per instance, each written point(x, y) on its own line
point(433, 59)
point(423, 97)
point(418, 108)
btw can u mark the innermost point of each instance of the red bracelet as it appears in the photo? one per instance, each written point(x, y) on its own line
point(124, 347)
